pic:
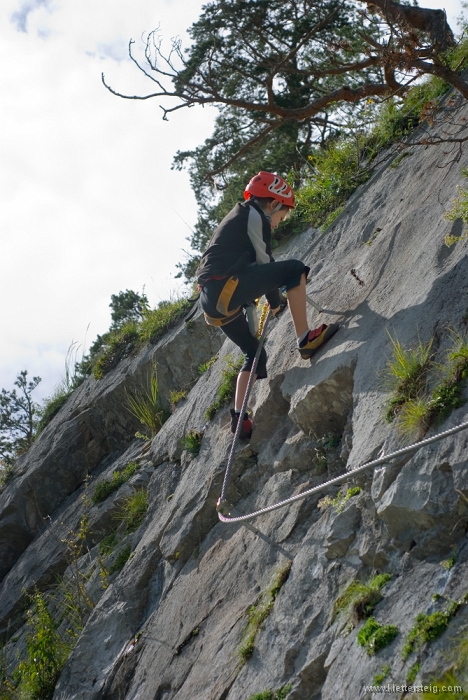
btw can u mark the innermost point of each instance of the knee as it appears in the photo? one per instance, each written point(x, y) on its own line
point(261, 370)
point(297, 269)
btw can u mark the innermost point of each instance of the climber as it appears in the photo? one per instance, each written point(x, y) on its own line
point(238, 267)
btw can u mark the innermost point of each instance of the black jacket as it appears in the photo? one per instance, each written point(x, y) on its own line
point(242, 238)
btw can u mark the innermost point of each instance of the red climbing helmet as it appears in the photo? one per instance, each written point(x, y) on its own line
point(270, 185)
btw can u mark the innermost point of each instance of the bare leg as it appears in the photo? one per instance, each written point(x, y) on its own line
point(241, 388)
point(297, 307)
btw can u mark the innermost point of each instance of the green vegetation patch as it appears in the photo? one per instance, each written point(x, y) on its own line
point(414, 406)
point(133, 509)
point(340, 499)
point(259, 612)
point(228, 385)
point(381, 676)
point(121, 559)
point(459, 210)
point(427, 628)
point(46, 654)
point(406, 374)
point(449, 687)
point(176, 396)
point(124, 340)
point(373, 636)
point(104, 488)
point(413, 672)
point(360, 598)
point(107, 544)
point(453, 683)
point(450, 562)
point(192, 442)
point(52, 406)
point(205, 366)
point(278, 694)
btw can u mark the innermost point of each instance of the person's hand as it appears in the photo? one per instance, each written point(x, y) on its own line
point(275, 311)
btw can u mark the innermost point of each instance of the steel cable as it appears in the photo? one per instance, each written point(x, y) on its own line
point(223, 507)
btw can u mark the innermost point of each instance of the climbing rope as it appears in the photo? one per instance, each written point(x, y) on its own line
point(224, 508)
point(264, 323)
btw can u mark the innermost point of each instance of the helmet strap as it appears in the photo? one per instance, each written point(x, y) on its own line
point(277, 208)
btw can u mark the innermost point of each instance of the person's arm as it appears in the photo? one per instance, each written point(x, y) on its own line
point(255, 233)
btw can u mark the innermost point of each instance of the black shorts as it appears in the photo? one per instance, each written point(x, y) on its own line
point(254, 281)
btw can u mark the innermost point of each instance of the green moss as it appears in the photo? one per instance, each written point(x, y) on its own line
point(399, 158)
point(381, 676)
point(259, 612)
point(373, 636)
point(343, 497)
point(449, 687)
point(360, 598)
point(105, 488)
point(451, 561)
point(413, 672)
point(427, 628)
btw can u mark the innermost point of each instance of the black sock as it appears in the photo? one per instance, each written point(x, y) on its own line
point(246, 415)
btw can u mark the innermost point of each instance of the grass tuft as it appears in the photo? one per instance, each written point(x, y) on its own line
point(340, 499)
point(414, 407)
point(145, 405)
point(192, 442)
point(104, 488)
point(133, 510)
point(406, 374)
point(176, 396)
point(359, 598)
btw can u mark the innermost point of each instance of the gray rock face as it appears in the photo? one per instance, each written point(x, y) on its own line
point(171, 623)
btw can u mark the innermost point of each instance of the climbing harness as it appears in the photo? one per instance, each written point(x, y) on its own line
point(224, 509)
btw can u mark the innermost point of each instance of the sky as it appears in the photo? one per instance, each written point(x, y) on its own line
point(89, 205)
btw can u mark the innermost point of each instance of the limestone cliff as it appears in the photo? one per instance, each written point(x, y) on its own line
point(171, 622)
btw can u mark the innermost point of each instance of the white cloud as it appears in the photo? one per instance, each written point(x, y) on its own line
point(88, 197)
point(20, 17)
point(116, 50)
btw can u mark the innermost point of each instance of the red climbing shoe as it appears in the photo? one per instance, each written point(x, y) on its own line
point(246, 428)
point(316, 338)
